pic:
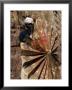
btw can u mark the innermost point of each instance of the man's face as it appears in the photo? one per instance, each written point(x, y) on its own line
point(29, 26)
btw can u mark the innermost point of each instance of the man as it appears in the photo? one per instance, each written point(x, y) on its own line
point(27, 30)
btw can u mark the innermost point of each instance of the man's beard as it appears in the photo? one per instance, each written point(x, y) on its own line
point(29, 28)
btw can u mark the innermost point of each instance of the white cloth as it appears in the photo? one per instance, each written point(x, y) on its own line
point(28, 20)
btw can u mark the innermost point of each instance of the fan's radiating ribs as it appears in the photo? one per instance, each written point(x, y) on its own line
point(30, 62)
point(54, 42)
point(49, 67)
point(28, 69)
point(56, 59)
point(53, 65)
point(45, 70)
point(55, 53)
point(55, 49)
point(41, 69)
point(52, 60)
point(51, 70)
point(46, 76)
point(31, 53)
point(37, 73)
point(36, 67)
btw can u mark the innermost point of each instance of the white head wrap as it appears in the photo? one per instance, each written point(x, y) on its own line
point(28, 20)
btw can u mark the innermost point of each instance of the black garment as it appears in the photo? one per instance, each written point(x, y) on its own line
point(25, 34)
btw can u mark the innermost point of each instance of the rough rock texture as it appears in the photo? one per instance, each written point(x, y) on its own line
point(52, 22)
